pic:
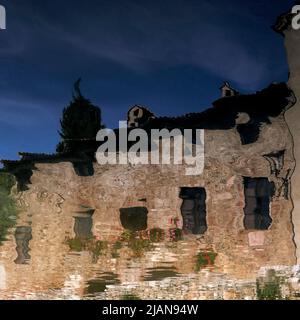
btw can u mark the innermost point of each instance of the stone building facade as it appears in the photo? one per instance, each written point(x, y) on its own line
point(292, 44)
point(240, 208)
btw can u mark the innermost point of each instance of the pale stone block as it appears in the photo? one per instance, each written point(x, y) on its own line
point(2, 278)
point(256, 238)
point(223, 196)
point(230, 182)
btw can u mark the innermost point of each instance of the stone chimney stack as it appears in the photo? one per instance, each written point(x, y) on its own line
point(228, 91)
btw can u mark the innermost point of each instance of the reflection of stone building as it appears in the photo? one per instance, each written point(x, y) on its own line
point(239, 207)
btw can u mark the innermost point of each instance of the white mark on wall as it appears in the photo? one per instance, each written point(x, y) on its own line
point(2, 278)
point(2, 17)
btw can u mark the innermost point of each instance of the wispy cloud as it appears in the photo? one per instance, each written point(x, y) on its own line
point(24, 113)
point(145, 37)
point(167, 54)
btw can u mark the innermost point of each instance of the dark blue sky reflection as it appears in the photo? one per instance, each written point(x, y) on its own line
point(170, 55)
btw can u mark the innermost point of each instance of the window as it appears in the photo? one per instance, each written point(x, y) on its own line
point(258, 193)
point(249, 132)
point(22, 236)
point(83, 227)
point(193, 210)
point(84, 169)
point(228, 93)
point(134, 219)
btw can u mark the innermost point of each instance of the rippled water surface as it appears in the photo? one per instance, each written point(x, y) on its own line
point(62, 254)
point(40, 260)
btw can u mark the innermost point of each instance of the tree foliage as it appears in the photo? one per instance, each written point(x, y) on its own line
point(8, 210)
point(80, 122)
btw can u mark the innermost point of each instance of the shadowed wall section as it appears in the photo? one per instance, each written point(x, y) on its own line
point(292, 116)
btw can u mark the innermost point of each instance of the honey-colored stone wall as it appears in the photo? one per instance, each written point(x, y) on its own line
point(292, 43)
point(56, 195)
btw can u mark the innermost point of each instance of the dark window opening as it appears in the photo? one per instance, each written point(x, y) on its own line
point(23, 177)
point(276, 160)
point(160, 273)
point(134, 219)
point(228, 93)
point(83, 227)
point(193, 210)
point(258, 194)
point(84, 169)
point(249, 132)
point(100, 284)
point(22, 236)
